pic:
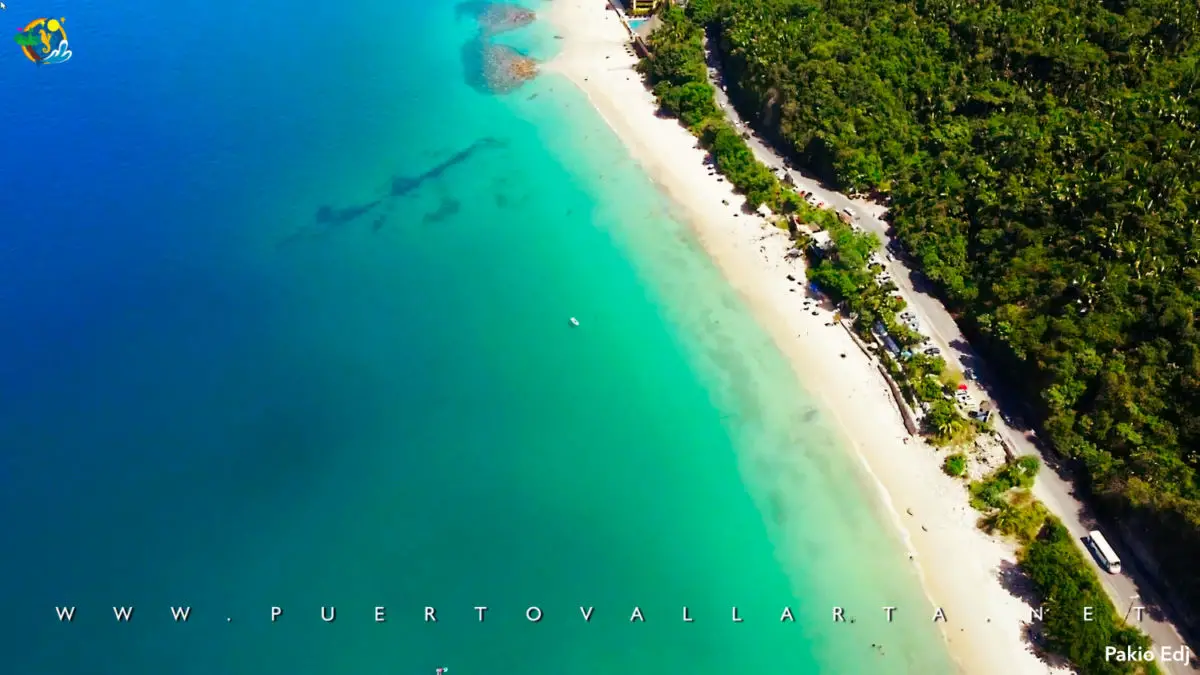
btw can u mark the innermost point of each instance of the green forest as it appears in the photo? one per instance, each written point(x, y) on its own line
point(1041, 165)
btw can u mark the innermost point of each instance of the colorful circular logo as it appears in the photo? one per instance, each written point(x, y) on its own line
point(44, 41)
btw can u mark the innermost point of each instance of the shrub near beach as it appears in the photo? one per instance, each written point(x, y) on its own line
point(955, 464)
point(1059, 574)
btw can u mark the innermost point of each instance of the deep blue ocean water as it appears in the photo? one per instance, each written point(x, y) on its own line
point(284, 311)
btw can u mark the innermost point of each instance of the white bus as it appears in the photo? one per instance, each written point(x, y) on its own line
point(1104, 552)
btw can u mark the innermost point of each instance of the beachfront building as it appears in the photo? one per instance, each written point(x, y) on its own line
point(643, 7)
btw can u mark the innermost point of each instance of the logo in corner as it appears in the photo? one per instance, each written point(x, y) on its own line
point(44, 41)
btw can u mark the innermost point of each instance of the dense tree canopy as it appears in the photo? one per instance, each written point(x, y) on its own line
point(1041, 161)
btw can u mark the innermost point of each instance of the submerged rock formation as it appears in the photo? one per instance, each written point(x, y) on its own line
point(501, 17)
point(505, 68)
point(491, 67)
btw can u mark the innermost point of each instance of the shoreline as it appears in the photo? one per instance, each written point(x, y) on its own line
point(959, 566)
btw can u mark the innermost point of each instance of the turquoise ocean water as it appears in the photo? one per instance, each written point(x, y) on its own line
point(289, 328)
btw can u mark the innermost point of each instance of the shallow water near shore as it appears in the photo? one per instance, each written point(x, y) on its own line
point(306, 345)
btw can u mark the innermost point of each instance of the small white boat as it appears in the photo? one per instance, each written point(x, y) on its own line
point(574, 321)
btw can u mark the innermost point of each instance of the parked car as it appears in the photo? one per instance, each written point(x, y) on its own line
point(933, 351)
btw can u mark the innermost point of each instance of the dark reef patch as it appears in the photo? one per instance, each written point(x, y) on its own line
point(327, 215)
point(491, 68)
point(447, 208)
point(472, 62)
point(488, 66)
point(330, 218)
point(402, 185)
point(496, 17)
point(505, 69)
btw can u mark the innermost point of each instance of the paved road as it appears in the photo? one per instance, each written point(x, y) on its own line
point(1128, 590)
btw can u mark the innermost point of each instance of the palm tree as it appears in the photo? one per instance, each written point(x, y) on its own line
point(945, 425)
point(1004, 519)
point(950, 427)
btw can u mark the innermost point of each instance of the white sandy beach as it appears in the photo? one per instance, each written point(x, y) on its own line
point(959, 564)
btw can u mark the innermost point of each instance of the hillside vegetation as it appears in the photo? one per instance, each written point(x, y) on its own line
point(1041, 161)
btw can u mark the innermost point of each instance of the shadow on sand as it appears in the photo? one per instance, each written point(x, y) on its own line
point(1020, 586)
